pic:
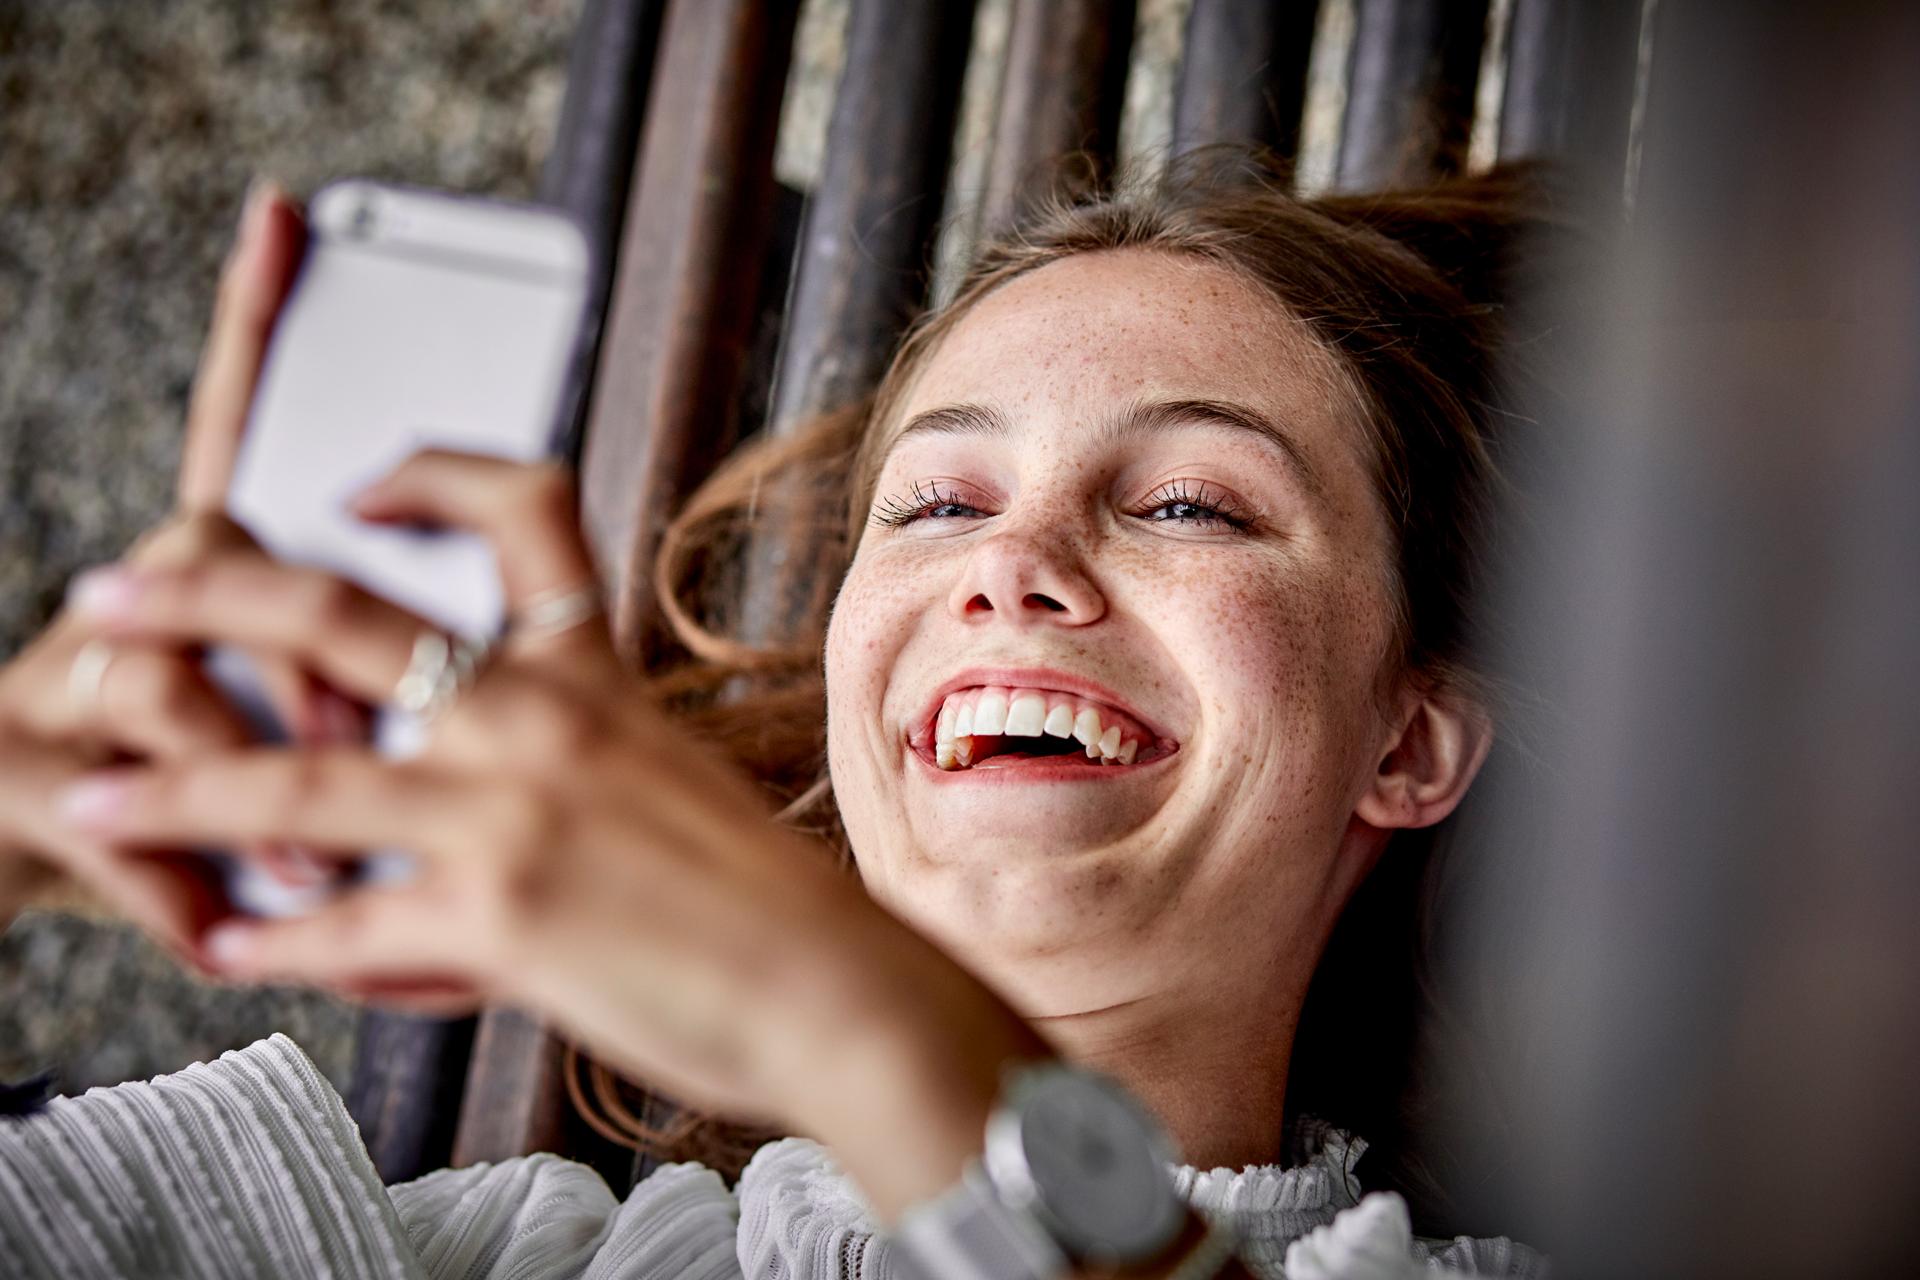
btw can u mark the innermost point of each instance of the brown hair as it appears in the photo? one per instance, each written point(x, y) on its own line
point(1403, 288)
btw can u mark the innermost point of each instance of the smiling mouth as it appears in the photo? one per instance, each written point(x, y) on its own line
point(994, 727)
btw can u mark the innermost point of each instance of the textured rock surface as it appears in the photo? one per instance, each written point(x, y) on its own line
point(128, 132)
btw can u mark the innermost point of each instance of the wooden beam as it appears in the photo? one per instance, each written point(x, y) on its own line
point(1243, 74)
point(408, 1074)
point(665, 404)
point(1060, 95)
point(867, 242)
point(669, 366)
point(1569, 88)
point(589, 168)
point(1410, 83)
point(516, 1101)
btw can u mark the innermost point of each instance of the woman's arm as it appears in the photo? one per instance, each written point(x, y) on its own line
point(578, 853)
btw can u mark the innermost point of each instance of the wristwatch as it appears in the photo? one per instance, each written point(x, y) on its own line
point(1074, 1172)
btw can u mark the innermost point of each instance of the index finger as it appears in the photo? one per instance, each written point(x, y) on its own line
point(253, 285)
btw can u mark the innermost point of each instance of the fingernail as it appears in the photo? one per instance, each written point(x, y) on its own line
point(104, 592)
point(95, 801)
point(228, 946)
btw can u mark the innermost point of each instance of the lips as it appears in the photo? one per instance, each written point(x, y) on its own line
point(1033, 720)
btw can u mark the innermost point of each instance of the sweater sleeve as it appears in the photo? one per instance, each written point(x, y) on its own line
point(242, 1167)
point(543, 1216)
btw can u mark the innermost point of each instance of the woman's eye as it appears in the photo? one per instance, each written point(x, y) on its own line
point(925, 502)
point(1180, 505)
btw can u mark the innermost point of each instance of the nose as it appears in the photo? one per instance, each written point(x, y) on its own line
point(1024, 577)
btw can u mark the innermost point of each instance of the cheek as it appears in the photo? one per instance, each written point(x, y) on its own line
point(873, 616)
point(1279, 649)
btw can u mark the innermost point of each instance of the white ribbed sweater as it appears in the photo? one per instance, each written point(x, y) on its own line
point(250, 1166)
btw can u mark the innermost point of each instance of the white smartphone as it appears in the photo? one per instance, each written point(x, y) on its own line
point(417, 319)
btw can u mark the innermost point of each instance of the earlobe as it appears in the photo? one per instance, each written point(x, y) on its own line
point(1429, 766)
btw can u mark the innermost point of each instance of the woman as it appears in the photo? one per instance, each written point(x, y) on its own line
point(1149, 640)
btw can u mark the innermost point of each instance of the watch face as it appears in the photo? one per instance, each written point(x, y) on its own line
point(1095, 1166)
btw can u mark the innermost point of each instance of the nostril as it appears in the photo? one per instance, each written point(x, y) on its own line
point(1045, 602)
point(980, 604)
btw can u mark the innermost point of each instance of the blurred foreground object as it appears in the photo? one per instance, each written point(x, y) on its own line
point(1699, 929)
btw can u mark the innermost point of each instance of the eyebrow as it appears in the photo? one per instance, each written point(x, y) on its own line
point(1140, 417)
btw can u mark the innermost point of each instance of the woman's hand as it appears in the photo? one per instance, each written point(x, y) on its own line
point(65, 707)
point(576, 851)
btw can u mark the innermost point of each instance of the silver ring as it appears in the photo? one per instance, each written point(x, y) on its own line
point(87, 676)
point(439, 670)
point(551, 612)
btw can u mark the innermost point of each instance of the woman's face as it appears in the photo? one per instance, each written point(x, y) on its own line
point(1126, 486)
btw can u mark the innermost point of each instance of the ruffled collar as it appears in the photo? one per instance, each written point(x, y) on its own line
point(796, 1204)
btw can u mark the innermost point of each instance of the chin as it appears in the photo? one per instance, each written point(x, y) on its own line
point(1001, 827)
point(1000, 896)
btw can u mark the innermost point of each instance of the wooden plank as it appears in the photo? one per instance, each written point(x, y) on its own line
point(1060, 95)
point(1569, 86)
point(1410, 86)
point(692, 257)
point(589, 167)
point(1243, 73)
point(867, 242)
point(686, 288)
point(515, 1101)
point(408, 1074)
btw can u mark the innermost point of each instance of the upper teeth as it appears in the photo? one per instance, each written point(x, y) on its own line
point(1026, 713)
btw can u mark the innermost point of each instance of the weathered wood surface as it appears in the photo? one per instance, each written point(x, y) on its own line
point(670, 369)
point(1060, 96)
point(1243, 74)
point(692, 257)
point(867, 241)
point(515, 1101)
point(1410, 85)
point(408, 1077)
point(1569, 86)
point(589, 168)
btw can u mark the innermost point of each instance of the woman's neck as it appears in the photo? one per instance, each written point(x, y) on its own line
point(1214, 1074)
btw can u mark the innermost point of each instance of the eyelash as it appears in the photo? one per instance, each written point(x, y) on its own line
point(923, 501)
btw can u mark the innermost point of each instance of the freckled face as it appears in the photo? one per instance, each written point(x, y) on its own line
point(1227, 594)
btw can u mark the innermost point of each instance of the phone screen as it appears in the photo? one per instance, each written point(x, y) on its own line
point(417, 319)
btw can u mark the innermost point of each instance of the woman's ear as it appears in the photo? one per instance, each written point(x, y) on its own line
point(1429, 764)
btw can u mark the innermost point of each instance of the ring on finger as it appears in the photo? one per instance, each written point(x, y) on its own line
point(554, 611)
point(88, 674)
point(440, 669)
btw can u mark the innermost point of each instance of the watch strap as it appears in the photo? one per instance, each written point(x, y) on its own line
point(968, 1233)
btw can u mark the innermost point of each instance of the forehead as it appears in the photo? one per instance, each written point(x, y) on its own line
point(1126, 323)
